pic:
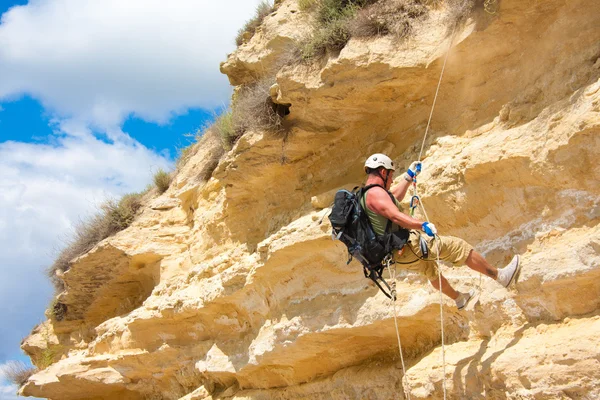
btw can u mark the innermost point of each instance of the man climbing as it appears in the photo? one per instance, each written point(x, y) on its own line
point(420, 253)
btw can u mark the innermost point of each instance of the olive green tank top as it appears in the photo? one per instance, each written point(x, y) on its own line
point(379, 222)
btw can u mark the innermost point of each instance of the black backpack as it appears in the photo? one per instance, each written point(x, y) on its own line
point(352, 227)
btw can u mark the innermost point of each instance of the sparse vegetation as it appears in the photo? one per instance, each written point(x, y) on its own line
point(56, 310)
point(253, 109)
point(225, 129)
point(384, 18)
point(332, 30)
point(185, 154)
point(368, 24)
point(17, 372)
point(113, 217)
point(336, 21)
point(305, 5)
point(263, 9)
point(162, 180)
point(48, 356)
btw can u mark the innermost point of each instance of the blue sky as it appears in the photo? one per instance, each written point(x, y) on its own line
point(24, 119)
point(94, 98)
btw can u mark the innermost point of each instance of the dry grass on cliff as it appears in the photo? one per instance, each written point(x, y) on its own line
point(114, 216)
point(17, 372)
point(251, 109)
point(56, 310)
point(387, 18)
point(331, 32)
point(305, 5)
point(162, 180)
point(225, 129)
point(263, 9)
point(337, 21)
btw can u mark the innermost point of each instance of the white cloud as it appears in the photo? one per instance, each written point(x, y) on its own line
point(44, 190)
point(8, 392)
point(99, 61)
point(92, 63)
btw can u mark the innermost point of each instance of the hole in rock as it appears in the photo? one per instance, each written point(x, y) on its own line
point(127, 291)
point(280, 109)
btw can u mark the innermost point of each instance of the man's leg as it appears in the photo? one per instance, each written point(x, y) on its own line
point(457, 251)
point(476, 262)
point(446, 288)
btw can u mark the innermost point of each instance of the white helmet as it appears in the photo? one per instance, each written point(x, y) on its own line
point(379, 160)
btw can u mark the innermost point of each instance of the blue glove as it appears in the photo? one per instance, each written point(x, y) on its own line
point(429, 228)
point(413, 171)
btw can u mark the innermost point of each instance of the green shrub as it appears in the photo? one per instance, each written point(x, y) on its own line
point(339, 20)
point(120, 214)
point(332, 31)
point(49, 355)
point(263, 9)
point(162, 180)
point(226, 129)
point(113, 217)
point(332, 37)
point(17, 372)
point(305, 5)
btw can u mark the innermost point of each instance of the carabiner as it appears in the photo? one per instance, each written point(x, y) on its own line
point(414, 203)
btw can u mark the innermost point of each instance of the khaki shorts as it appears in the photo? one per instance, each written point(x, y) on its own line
point(452, 249)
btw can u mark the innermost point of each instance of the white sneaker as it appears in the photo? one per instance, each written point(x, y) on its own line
point(463, 299)
point(506, 275)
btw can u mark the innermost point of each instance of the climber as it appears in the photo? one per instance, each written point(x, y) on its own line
point(419, 253)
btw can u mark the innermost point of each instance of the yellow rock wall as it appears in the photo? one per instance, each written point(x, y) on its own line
point(233, 288)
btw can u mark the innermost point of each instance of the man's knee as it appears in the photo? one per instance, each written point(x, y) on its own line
point(430, 271)
point(455, 249)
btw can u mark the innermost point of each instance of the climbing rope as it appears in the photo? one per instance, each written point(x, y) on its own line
point(419, 202)
point(437, 245)
point(437, 91)
point(414, 203)
point(388, 261)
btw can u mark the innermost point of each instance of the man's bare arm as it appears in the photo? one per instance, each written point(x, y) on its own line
point(379, 201)
point(399, 190)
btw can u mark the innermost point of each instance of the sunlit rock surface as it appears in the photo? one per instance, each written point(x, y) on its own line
point(233, 288)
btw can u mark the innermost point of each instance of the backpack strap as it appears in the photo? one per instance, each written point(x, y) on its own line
point(375, 274)
point(388, 227)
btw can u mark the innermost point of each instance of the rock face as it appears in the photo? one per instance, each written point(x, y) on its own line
point(232, 287)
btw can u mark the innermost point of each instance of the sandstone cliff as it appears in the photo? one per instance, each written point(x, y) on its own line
point(232, 288)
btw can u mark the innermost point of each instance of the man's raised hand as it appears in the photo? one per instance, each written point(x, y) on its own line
point(413, 171)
